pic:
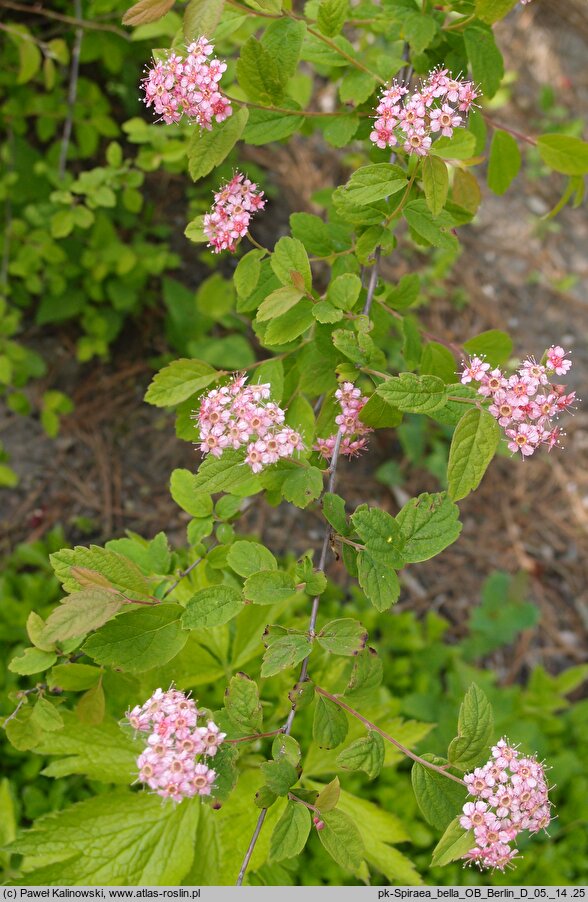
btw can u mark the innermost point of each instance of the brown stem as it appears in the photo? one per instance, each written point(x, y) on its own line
point(255, 736)
point(72, 91)
point(450, 345)
point(304, 669)
point(302, 802)
point(185, 573)
point(402, 748)
point(511, 131)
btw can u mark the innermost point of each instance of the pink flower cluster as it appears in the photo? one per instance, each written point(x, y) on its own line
point(237, 415)
point(234, 205)
point(188, 86)
point(353, 431)
point(526, 403)
point(511, 795)
point(174, 761)
point(413, 119)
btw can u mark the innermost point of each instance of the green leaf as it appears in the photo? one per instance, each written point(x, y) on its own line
point(278, 302)
point(474, 730)
point(466, 191)
point(330, 723)
point(438, 797)
point(139, 640)
point(201, 17)
point(374, 182)
point(378, 414)
point(32, 660)
point(269, 587)
point(146, 11)
point(246, 275)
point(419, 30)
point(453, 845)
point(334, 512)
point(212, 607)
point(182, 491)
point(491, 11)
point(289, 260)
point(291, 832)
point(357, 86)
point(73, 677)
point(367, 672)
point(29, 55)
point(413, 394)
point(290, 325)
point(435, 183)
point(381, 535)
point(259, 73)
point(366, 754)
point(80, 613)
point(265, 126)
point(339, 130)
point(438, 361)
point(461, 146)
point(207, 149)
point(46, 716)
point(114, 839)
point(21, 731)
point(405, 293)
point(343, 637)
point(494, 345)
point(285, 652)
point(222, 474)
point(81, 567)
point(473, 446)
point(302, 485)
point(564, 153)
point(279, 776)
point(247, 558)
point(328, 797)
point(428, 524)
point(243, 705)
point(434, 230)
point(504, 161)
point(91, 706)
point(283, 40)
point(313, 232)
point(485, 58)
point(286, 747)
point(331, 16)
point(341, 839)
point(179, 381)
point(343, 291)
point(379, 581)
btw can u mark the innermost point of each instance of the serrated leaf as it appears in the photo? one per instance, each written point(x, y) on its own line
point(279, 776)
point(473, 446)
point(247, 558)
point(201, 17)
point(80, 613)
point(374, 182)
point(313, 232)
point(474, 730)
point(207, 149)
point(32, 660)
point(285, 652)
point(82, 844)
point(243, 705)
point(291, 832)
point(485, 58)
point(179, 381)
point(290, 258)
point(466, 191)
point(381, 535)
point(222, 474)
point(461, 146)
point(185, 495)
point(564, 153)
point(269, 587)
point(379, 581)
point(278, 302)
point(212, 607)
point(494, 345)
point(343, 637)
point(334, 512)
point(119, 571)
point(286, 747)
point(139, 640)
point(366, 754)
point(302, 485)
point(434, 230)
point(367, 672)
point(491, 11)
point(259, 73)
point(330, 723)
point(438, 797)
point(344, 291)
point(290, 325)
point(414, 394)
point(428, 524)
point(91, 706)
point(504, 161)
point(453, 845)
point(341, 839)
point(146, 11)
point(73, 677)
point(435, 183)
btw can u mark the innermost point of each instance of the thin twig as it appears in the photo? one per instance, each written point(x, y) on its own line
point(255, 736)
point(7, 216)
point(304, 669)
point(59, 17)
point(72, 92)
point(185, 573)
point(23, 693)
point(402, 748)
point(511, 131)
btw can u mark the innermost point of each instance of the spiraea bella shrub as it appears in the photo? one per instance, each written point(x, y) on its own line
point(254, 697)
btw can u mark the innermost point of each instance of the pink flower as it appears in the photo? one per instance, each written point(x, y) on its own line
point(168, 765)
point(445, 120)
point(519, 802)
point(523, 438)
point(349, 425)
point(231, 214)
point(474, 371)
point(556, 360)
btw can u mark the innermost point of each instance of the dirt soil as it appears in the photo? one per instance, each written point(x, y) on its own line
point(112, 460)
